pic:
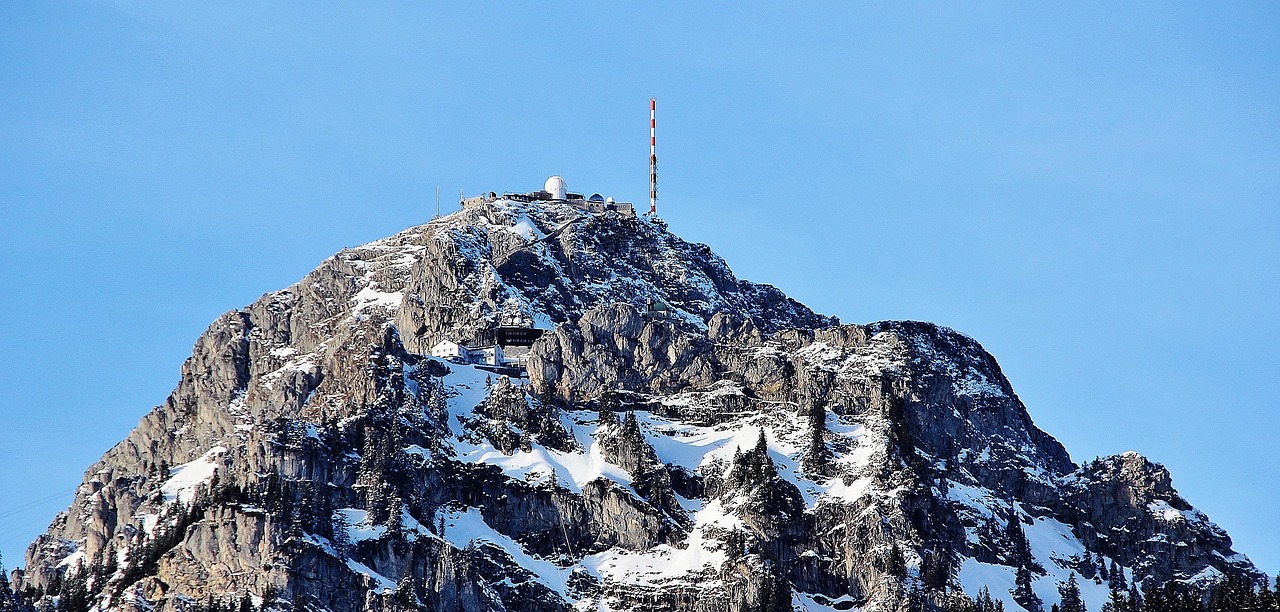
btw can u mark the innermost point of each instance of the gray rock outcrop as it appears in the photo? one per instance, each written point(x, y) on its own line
point(734, 452)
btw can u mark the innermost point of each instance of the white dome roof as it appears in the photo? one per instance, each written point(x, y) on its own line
point(556, 187)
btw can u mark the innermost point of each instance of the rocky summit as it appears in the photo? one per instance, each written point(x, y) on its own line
point(674, 439)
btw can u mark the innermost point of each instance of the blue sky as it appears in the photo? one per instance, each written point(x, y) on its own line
point(1090, 190)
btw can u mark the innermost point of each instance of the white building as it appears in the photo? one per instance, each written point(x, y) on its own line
point(452, 351)
point(448, 349)
point(491, 355)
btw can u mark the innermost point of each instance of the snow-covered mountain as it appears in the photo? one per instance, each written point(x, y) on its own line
point(733, 451)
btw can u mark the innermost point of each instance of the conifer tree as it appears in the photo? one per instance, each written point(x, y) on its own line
point(734, 543)
point(1088, 570)
point(8, 602)
point(1266, 599)
point(1023, 593)
point(957, 601)
point(984, 601)
point(96, 571)
point(607, 417)
point(110, 562)
point(780, 600)
point(1118, 601)
point(1019, 547)
point(935, 570)
point(395, 525)
point(1179, 601)
point(915, 597)
point(1070, 592)
point(73, 596)
point(405, 597)
point(816, 455)
point(895, 565)
point(1117, 580)
point(764, 594)
point(754, 467)
point(341, 537)
point(1153, 599)
point(631, 429)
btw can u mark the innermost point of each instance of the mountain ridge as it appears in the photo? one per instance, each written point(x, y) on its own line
point(904, 436)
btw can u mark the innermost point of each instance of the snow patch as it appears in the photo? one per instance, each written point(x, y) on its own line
point(359, 526)
point(283, 351)
point(664, 564)
point(526, 228)
point(462, 529)
point(186, 478)
point(369, 297)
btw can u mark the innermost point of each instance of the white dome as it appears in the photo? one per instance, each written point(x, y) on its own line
point(609, 200)
point(556, 187)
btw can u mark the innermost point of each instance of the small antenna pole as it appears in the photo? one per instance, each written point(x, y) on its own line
point(437, 202)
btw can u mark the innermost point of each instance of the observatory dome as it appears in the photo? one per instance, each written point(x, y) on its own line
point(556, 187)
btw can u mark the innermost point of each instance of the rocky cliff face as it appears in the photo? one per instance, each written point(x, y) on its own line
point(735, 452)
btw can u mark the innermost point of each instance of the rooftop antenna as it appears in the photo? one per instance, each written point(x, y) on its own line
point(653, 157)
point(437, 202)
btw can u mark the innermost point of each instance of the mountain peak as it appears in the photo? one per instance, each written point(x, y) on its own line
point(674, 438)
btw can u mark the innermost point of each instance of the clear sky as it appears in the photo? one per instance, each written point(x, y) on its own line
point(1089, 189)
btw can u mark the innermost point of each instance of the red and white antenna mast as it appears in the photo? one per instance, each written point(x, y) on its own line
point(653, 156)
